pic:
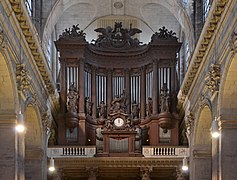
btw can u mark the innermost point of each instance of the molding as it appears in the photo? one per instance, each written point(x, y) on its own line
point(32, 40)
point(121, 162)
point(204, 43)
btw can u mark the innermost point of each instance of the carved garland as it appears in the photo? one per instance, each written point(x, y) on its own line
point(213, 78)
point(23, 80)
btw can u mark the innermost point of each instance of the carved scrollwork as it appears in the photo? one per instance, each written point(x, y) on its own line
point(46, 122)
point(145, 173)
point(213, 78)
point(2, 39)
point(22, 78)
point(233, 42)
point(189, 123)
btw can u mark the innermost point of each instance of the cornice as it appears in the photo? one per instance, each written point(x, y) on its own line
point(204, 43)
point(117, 162)
point(30, 35)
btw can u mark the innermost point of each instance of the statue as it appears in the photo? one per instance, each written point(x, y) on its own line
point(72, 98)
point(88, 106)
point(164, 99)
point(119, 103)
point(102, 110)
point(99, 139)
point(149, 106)
point(138, 138)
point(135, 110)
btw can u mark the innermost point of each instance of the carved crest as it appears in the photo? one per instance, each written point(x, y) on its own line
point(73, 32)
point(164, 34)
point(118, 37)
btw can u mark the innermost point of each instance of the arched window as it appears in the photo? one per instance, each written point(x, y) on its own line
point(28, 4)
point(206, 8)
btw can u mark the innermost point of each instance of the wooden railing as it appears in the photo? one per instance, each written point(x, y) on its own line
point(162, 151)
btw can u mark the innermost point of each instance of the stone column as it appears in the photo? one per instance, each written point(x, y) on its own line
point(200, 162)
point(227, 147)
point(143, 92)
point(109, 90)
point(34, 158)
point(93, 93)
point(12, 149)
point(155, 88)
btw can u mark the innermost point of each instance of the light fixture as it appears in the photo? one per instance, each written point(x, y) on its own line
point(215, 129)
point(185, 164)
point(20, 127)
point(51, 165)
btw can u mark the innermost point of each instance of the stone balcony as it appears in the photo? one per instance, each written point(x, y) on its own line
point(165, 152)
point(71, 151)
point(90, 151)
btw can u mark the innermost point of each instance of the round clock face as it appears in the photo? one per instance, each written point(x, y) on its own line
point(118, 122)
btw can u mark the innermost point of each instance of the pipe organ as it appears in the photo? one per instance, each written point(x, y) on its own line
point(117, 93)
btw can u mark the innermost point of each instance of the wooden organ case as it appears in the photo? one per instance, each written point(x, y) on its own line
point(117, 93)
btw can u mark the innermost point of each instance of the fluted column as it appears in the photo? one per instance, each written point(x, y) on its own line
point(143, 92)
point(93, 93)
point(155, 88)
point(128, 90)
point(109, 90)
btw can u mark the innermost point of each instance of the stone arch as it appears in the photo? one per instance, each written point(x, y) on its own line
point(8, 89)
point(8, 105)
point(201, 152)
point(34, 145)
point(228, 89)
point(202, 131)
point(105, 10)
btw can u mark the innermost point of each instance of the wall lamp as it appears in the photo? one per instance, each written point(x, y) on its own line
point(215, 129)
point(20, 127)
point(185, 164)
point(51, 165)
